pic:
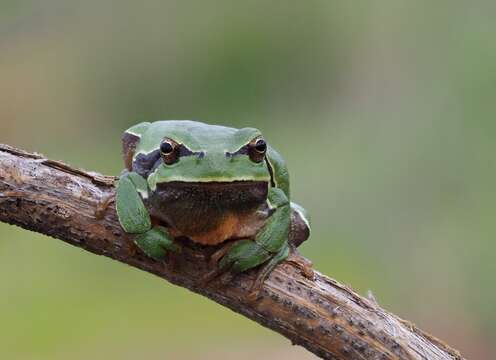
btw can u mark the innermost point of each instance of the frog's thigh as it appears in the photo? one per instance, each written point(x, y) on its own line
point(300, 225)
point(274, 236)
point(131, 211)
point(156, 242)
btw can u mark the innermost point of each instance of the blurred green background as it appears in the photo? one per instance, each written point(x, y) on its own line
point(385, 111)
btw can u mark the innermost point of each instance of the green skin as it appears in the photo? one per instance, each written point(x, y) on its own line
point(213, 155)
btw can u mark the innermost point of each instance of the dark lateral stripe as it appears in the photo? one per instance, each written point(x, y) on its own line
point(129, 142)
point(144, 164)
point(184, 151)
point(242, 151)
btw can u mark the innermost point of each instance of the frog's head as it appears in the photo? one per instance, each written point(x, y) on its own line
point(196, 164)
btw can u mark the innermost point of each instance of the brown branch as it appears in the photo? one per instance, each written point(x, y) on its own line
point(327, 318)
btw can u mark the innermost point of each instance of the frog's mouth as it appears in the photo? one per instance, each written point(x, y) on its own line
point(199, 206)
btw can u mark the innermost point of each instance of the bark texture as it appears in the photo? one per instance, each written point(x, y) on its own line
point(324, 316)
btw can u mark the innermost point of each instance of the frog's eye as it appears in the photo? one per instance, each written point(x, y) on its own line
point(169, 151)
point(166, 148)
point(257, 149)
point(261, 146)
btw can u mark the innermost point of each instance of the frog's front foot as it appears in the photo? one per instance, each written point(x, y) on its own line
point(156, 242)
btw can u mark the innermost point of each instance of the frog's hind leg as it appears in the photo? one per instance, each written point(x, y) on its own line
point(270, 244)
point(300, 231)
point(214, 263)
point(219, 254)
point(265, 271)
point(243, 255)
point(238, 257)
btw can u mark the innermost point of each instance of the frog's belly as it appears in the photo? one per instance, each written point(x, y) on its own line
point(231, 226)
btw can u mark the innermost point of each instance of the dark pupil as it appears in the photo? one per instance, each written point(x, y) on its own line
point(166, 148)
point(261, 146)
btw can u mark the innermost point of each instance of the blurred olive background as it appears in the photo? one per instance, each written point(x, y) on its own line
point(385, 111)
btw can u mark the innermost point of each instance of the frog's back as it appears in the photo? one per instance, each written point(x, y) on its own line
point(195, 128)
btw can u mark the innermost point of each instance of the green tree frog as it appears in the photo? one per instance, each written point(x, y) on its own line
point(215, 185)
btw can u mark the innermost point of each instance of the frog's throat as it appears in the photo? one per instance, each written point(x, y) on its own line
point(196, 209)
point(195, 196)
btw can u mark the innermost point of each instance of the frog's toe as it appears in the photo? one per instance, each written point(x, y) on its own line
point(253, 295)
point(218, 268)
point(219, 254)
point(211, 276)
point(156, 242)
